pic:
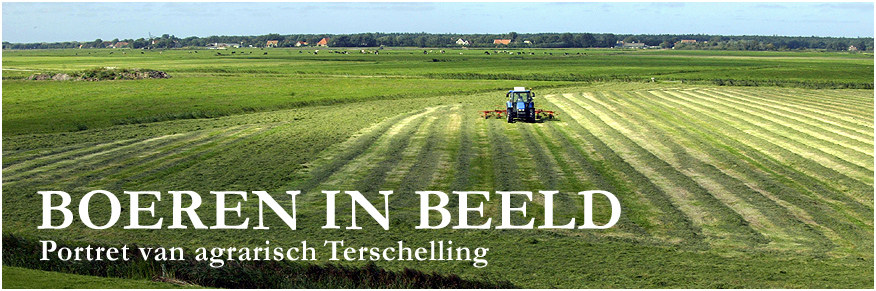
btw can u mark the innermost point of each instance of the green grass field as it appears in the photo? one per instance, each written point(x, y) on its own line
point(20, 278)
point(761, 186)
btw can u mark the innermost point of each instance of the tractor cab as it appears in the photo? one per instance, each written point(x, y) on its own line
point(520, 105)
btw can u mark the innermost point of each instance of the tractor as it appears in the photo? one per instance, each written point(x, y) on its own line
point(519, 106)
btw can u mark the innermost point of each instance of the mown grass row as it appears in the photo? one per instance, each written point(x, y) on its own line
point(695, 157)
point(849, 155)
point(811, 161)
point(748, 160)
point(613, 173)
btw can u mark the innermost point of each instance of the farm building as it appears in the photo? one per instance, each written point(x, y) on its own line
point(323, 42)
point(637, 45)
point(502, 41)
point(462, 42)
point(272, 43)
point(301, 43)
point(219, 45)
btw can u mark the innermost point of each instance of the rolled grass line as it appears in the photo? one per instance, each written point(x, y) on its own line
point(657, 115)
point(837, 121)
point(505, 175)
point(823, 134)
point(410, 156)
point(618, 176)
point(728, 152)
point(462, 165)
point(592, 175)
point(359, 145)
point(66, 161)
point(201, 154)
point(549, 173)
point(574, 180)
point(354, 171)
point(373, 181)
point(800, 149)
point(29, 159)
point(426, 163)
point(794, 187)
point(725, 219)
point(684, 162)
point(168, 157)
point(849, 100)
point(811, 170)
point(779, 179)
point(828, 125)
point(815, 103)
point(91, 160)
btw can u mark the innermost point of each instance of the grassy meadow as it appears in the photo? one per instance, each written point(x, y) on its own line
point(733, 169)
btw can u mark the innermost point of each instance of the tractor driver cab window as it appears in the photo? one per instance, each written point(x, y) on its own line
point(519, 97)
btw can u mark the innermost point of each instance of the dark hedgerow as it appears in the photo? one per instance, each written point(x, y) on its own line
point(19, 251)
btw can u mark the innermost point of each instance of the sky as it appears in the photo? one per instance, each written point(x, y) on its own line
point(28, 22)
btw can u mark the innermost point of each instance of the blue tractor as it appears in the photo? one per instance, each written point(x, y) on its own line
point(520, 105)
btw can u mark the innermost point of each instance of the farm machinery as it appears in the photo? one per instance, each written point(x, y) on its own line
point(519, 106)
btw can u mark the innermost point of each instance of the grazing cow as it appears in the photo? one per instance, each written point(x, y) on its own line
point(266, 53)
point(487, 53)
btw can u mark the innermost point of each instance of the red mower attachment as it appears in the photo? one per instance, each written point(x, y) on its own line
point(498, 113)
point(541, 114)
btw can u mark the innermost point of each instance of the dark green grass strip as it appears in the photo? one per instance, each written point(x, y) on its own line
point(504, 159)
point(421, 173)
point(362, 144)
point(102, 155)
point(818, 171)
point(670, 125)
point(463, 177)
point(726, 220)
point(818, 113)
point(613, 174)
point(111, 160)
point(831, 139)
point(778, 178)
point(562, 152)
point(24, 160)
point(372, 182)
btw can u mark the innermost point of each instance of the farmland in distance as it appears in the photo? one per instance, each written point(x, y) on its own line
point(721, 186)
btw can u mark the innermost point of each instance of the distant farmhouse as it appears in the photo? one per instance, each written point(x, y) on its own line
point(502, 41)
point(462, 42)
point(272, 43)
point(323, 42)
point(218, 45)
point(301, 43)
point(634, 45)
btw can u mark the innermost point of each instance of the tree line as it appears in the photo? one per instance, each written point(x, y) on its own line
point(522, 40)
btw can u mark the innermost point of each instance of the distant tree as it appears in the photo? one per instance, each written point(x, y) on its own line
point(512, 36)
point(631, 39)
